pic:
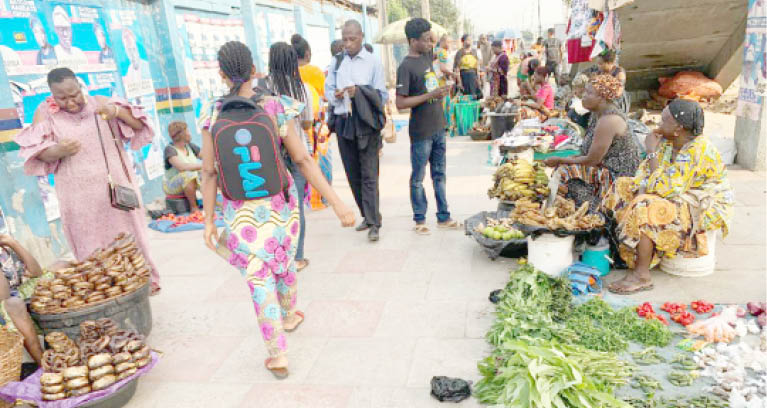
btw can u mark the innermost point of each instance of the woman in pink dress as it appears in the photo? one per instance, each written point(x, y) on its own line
point(543, 103)
point(64, 140)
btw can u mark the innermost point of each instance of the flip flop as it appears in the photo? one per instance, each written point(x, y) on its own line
point(279, 372)
point(449, 224)
point(422, 229)
point(155, 291)
point(619, 291)
point(299, 322)
point(301, 268)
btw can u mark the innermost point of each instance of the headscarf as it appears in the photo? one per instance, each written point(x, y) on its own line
point(175, 129)
point(607, 86)
point(689, 115)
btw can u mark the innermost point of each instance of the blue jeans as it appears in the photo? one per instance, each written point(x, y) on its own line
point(300, 183)
point(430, 150)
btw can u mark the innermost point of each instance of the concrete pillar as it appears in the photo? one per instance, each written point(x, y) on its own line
point(751, 141)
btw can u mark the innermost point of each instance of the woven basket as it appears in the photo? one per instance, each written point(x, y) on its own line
point(11, 354)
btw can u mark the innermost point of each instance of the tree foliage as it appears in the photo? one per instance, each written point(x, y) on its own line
point(443, 12)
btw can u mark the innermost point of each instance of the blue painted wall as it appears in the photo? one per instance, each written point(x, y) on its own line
point(163, 47)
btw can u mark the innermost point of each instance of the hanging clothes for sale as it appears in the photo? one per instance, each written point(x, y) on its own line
point(602, 5)
point(582, 27)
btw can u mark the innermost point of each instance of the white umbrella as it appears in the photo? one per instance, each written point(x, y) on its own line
point(394, 33)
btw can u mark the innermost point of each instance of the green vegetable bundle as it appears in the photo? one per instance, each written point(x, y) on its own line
point(546, 374)
point(602, 328)
point(531, 306)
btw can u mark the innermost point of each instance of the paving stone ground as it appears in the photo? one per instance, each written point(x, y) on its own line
point(382, 318)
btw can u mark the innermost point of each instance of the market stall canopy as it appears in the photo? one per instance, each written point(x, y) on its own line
point(508, 33)
point(394, 33)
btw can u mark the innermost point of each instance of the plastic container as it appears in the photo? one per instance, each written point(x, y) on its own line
point(598, 256)
point(550, 254)
point(693, 267)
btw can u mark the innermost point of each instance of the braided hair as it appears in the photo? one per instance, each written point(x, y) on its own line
point(284, 77)
point(236, 62)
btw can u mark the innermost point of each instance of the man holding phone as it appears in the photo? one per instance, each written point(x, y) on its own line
point(356, 80)
point(418, 89)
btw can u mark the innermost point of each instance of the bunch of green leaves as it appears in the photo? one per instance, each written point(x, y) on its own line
point(600, 327)
point(547, 374)
point(531, 306)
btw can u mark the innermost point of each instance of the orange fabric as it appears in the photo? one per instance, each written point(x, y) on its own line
point(313, 76)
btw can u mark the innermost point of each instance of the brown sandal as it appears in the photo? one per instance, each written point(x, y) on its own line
point(625, 291)
point(279, 372)
point(302, 264)
point(422, 229)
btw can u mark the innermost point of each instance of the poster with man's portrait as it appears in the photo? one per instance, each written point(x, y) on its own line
point(753, 84)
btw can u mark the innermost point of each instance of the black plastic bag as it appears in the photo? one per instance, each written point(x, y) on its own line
point(495, 296)
point(450, 389)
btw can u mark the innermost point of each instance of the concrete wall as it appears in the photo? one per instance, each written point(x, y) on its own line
point(662, 37)
point(162, 30)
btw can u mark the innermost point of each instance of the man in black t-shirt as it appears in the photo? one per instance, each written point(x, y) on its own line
point(418, 89)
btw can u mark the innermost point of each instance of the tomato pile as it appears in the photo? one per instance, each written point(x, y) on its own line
point(646, 310)
point(196, 217)
point(701, 306)
point(673, 308)
point(683, 318)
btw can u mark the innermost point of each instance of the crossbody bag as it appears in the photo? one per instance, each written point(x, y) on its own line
point(120, 197)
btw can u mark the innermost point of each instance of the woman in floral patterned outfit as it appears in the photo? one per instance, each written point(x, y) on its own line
point(261, 234)
point(678, 194)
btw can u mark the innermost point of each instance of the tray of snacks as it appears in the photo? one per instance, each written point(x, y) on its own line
point(109, 273)
point(104, 360)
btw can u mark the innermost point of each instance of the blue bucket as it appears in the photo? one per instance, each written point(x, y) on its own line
point(598, 257)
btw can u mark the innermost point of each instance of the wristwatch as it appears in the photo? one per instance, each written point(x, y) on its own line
point(653, 155)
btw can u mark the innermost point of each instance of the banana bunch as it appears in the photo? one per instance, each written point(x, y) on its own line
point(519, 179)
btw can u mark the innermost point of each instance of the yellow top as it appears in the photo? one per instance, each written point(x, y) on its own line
point(697, 166)
point(313, 76)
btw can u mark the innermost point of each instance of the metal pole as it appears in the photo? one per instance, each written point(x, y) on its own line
point(425, 9)
point(388, 57)
point(540, 29)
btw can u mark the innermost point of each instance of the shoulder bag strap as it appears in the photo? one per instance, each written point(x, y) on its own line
point(103, 150)
point(117, 146)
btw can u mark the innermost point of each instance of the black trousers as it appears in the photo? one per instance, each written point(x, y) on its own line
point(361, 167)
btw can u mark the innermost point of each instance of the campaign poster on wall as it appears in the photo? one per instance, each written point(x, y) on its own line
point(34, 41)
point(203, 35)
point(753, 84)
point(132, 59)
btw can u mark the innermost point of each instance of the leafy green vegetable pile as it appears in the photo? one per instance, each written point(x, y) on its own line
point(602, 328)
point(548, 354)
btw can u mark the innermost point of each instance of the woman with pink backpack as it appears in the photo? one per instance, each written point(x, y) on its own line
point(242, 140)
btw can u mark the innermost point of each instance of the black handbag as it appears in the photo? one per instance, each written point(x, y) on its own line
point(121, 197)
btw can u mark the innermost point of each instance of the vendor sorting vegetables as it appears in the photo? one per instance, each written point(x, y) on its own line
point(680, 192)
point(17, 264)
point(608, 150)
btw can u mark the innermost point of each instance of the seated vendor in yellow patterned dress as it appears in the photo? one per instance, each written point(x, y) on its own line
point(680, 192)
point(19, 270)
point(182, 165)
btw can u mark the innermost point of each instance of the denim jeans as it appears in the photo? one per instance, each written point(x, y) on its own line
point(430, 150)
point(300, 182)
